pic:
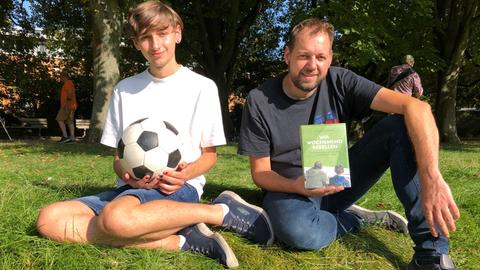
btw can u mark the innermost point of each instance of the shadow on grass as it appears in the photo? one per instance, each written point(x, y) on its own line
point(375, 245)
point(465, 147)
point(51, 147)
point(368, 242)
point(72, 190)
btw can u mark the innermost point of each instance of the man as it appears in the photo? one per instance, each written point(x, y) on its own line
point(407, 143)
point(161, 212)
point(68, 105)
point(404, 79)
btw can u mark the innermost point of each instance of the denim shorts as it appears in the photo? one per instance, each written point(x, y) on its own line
point(186, 193)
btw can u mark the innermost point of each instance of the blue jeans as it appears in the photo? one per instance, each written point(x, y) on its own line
point(313, 223)
point(186, 193)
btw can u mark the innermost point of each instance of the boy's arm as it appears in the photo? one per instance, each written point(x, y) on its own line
point(171, 181)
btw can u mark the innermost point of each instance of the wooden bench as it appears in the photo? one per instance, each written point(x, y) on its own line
point(83, 124)
point(31, 123)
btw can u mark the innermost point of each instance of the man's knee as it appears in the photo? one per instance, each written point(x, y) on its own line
point(308, 234)
point(51, 221)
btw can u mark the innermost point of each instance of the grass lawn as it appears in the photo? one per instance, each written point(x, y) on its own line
point(36, 173)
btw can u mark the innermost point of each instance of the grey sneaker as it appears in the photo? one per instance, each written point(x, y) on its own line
point(444, 263)
point(246, 219)
point(388, 219)
point(200, 239)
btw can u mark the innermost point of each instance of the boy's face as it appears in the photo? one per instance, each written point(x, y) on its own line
point(158, 47)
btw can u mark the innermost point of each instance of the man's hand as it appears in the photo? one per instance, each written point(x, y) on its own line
point(438, 204)
point(172, 180)
point(316, 192)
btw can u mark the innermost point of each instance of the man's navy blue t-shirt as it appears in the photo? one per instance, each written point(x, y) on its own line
point(271, 120)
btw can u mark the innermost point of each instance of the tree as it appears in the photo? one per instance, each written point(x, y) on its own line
point(456, 22)
point(214, 30)
point(106, 24)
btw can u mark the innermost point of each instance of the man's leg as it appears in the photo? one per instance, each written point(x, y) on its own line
point(298, 221)
point(387, 145)
point(63, 129)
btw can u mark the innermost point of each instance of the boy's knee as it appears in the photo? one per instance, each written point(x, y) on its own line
point(116, 222)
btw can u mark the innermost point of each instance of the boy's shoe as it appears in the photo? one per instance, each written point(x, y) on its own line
point(444, 263)
point(246, 219)
point(388, 219)
point(64, 140)
point(71, 140)
point(199, 238)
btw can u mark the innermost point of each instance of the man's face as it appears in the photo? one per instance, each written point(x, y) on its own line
point(158, 47)
point(309, 60)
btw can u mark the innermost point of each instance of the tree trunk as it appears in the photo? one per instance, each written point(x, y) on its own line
point(107, 31)
point(455, 20)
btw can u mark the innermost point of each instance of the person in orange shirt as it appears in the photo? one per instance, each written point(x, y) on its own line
point(68, 105)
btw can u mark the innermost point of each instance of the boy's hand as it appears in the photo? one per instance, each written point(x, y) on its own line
point(172, 180)
point(146, 182)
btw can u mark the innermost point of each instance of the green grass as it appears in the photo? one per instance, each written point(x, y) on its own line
point(36, 173)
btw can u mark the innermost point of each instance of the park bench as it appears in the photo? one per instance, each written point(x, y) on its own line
point(31, 123)
point(83, 124)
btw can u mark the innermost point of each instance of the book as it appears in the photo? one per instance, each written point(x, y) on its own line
point(324, 149)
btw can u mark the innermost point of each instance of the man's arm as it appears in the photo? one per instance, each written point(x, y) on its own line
point(438, 204)
point(265, 178)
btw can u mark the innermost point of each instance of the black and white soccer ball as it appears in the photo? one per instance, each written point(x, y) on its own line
point(148, 147)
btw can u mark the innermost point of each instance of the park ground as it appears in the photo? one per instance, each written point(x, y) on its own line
point(34, 173)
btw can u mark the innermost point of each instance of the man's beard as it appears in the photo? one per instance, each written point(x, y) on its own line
point(304, 86)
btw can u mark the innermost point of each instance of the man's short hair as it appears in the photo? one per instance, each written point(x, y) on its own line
point(315, 25)
point(152, 15)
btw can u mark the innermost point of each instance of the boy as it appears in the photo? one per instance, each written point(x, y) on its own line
point(162, 212)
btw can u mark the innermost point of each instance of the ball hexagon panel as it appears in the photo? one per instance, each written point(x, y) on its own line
point(133, 155)
point(156, 159)
point(131, 133)
point(169, 142)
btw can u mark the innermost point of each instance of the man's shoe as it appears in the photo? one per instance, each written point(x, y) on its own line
point(246, 219)
point(71, 140)
point(199, 238)
point(444, 263)
point(388, 219)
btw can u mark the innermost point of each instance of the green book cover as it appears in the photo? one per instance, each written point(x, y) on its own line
point(325, 155)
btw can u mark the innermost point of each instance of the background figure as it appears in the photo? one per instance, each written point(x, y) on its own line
point(68, 105)
point(404, 79)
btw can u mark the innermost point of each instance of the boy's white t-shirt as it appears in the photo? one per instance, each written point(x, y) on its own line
point(185, 99)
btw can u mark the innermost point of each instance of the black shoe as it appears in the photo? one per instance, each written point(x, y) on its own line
point(64, 140)
point(444, 263)
point(388, 219)
point(199, 238)
point(246, 219)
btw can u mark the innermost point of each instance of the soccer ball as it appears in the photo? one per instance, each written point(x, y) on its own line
point(149, 146)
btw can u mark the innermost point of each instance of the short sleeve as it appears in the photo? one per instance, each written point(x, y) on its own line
point(112, 130)
point(254, 138)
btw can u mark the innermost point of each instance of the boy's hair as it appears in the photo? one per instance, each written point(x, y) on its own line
point(315, 26)
point(152, 15)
